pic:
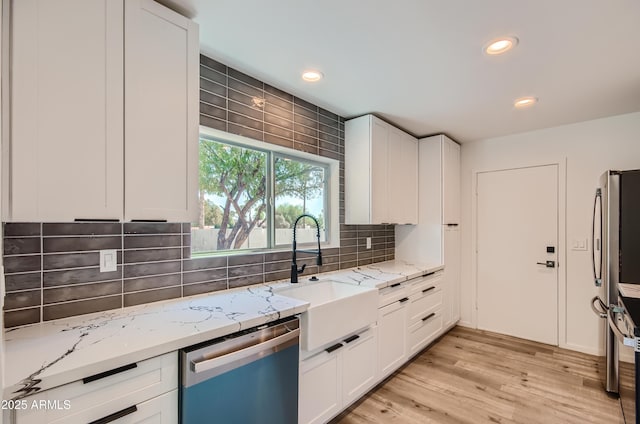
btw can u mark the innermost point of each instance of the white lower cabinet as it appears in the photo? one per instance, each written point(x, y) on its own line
point(392, 336)
point(145, 391)
point(426, 306)
point(336, 377)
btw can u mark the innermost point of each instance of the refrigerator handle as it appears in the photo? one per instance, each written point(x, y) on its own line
point(596, 243)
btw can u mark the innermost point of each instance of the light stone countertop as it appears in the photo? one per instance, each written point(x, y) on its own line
point(53, 353)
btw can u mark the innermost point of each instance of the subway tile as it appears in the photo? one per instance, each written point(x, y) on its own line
point(348, 264)
point(278, 111)
point(329, 154)
point(213, 111)
point(186, 252)
point(279, 93)
point(200, 288)
point(348, 242)
point(274, 139)
point(310, 137)
point(78, 276)
point(22, 263)
point(305, 121)
point(246, 280)
point(331, 251)
point(213, 99)
point(213, 64)
point(345, 250)
point(246, 110)
point(238, 271)
point(152, 228)
point(326, 145)
point(244, 131)
point(348, 257)
point(21, 245)
point(81, 291)
point(245, 121)
point(21, 229)
point(330, 140)
point(282, 123)
point(153, 282)
point(213, 75)
point(72, 260)
point(330, 267)
point(279, 131)
point(309, 107)
point(273, 101)
point(364, 254)
point(131, 299)
point(217, 124)
point(303, 147)
point(23, 299)
point(186, 227)
point(246, 89)
point(277, 266)
point(362, 262)
point(329, 123)
point(81, 307)
point(81, 229)
point(277, 275)
point(277, 256)
point(213, 87)
point(328, 130)
point(31, 280)
point(328, 115)
point(151, 255)
point(142, 241)
point(246, 79)
point(76, 244)
point(245, 259)
point(21, 317)
point(327, 260)
point(151, 268)
point(204, 275)
point(204, 263)
point(364, 233)
point(186, 239)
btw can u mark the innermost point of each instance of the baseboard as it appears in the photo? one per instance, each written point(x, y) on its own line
point(466, 324)
point(583, 349)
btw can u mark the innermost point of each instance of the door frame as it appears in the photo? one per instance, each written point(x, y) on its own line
point(562, 236)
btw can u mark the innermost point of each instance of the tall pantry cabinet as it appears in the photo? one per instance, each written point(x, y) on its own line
point(436, 238)
point(103, 106)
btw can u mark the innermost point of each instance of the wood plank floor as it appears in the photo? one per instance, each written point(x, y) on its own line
point(473, 376)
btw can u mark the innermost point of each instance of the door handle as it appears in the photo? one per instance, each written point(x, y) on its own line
point(548, 264)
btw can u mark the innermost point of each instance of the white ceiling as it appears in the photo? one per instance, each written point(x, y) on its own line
point(420, 65)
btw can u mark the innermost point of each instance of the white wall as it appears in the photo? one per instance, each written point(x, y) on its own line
point(588, 149)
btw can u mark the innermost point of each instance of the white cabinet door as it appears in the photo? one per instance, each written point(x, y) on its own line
point(319, 394)
point(379, 172)
point(392, 336)
point(451, 181)
point(162, 409)
point(359, 365)
point(451, 311)
point(66, 110)
point(402, 179)
point(161, 113)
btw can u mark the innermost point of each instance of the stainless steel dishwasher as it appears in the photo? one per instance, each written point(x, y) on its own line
point(248, 377)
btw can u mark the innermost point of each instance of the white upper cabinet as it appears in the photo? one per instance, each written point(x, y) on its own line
point(381, 166)
point(66, 110)
point(103, 110)
point(450, 181)
point(161, 113)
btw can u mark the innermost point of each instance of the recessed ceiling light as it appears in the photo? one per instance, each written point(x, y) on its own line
point(523, 102)
point(311, 75)
point(500, 45)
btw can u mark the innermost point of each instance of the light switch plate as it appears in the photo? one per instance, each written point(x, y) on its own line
point(108, 260)
point(368, 242)
point(580, 244)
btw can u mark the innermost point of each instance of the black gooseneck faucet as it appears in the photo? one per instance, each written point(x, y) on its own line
point(294, 266)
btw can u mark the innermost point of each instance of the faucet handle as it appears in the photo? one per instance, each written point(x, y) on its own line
point(301, 270)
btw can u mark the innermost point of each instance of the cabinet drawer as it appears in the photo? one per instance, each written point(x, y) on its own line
point(101, 395)
point(320, 397)
point(419, 284)
point(424, 331)
point(422, 302)
point(161, 409)
point(392, 293)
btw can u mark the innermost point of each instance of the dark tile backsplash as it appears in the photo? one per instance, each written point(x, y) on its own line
point(52, 269)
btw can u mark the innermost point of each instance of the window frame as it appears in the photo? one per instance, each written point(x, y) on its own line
point(273, 151)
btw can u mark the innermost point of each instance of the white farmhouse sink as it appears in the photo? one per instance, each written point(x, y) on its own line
point(336, 309)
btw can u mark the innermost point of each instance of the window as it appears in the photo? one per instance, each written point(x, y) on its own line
point(250, 197)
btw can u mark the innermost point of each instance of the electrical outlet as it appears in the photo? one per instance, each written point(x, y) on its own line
point(108, 260)
point(368, 242)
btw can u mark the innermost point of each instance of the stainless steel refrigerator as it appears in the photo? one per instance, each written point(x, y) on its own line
point(616, 260)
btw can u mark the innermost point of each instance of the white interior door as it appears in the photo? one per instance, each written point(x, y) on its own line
point(517, 225)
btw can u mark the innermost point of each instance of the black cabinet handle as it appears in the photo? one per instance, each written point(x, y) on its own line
point(109, 373)
point(452, 225)
point(334, 347)
point(404, 299)
point(431, 315)
point(428, 274)
point(395, 285)
point(352, 338)
point(428, 289)
point(116, 415)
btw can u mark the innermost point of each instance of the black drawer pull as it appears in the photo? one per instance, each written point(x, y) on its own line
point(109, 373)
point(431, 315)
point(96, 220)
point(428, 274)
point(428, 289)
point(452, 225)
point(334, 347)
point(395, 285)
point(352, 338)
point(148, 220)
point(404, 299)
point(116, 415)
